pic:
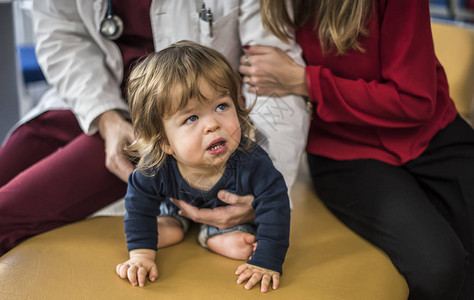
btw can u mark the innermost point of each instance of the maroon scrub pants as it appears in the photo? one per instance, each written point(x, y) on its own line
point(51, 174)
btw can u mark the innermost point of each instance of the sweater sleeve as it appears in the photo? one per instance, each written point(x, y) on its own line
point(405, 94)
point(272, 215)
point(142, 205)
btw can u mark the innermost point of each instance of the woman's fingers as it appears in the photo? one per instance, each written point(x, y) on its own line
point(257, 49)
point(198, 215)
point(239, 211)
point(234, 199)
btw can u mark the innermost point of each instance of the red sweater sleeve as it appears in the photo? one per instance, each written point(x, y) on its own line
point(403, 93)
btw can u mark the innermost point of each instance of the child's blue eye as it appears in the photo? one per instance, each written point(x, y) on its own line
point(221, 107)
point(190, 119)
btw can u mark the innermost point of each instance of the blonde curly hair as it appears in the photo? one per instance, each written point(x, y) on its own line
point(163, 82)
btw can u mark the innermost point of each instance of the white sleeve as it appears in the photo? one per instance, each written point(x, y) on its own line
point(73, 63)
point(282, 122)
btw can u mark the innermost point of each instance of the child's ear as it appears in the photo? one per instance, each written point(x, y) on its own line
point(166, 147)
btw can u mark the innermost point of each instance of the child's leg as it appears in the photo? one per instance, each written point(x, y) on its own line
point(170, 231)
point(237, 242)
point(234, 244)
point(171, 226)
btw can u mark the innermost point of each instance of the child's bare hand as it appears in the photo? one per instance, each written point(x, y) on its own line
point(255, 274)
point(140, 264)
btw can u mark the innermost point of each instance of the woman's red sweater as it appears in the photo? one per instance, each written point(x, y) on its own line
point(385, 103)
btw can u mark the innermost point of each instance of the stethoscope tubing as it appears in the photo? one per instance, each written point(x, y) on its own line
point(111, 26)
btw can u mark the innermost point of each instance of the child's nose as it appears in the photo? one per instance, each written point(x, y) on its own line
point(212, 125)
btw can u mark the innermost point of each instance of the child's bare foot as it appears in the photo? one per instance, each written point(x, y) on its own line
point(170, 231)
point(235, 244)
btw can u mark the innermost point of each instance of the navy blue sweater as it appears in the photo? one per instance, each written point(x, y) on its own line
point(249, 172)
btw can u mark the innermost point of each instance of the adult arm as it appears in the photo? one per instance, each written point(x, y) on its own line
point(270, 71)
point(238, 211)
point(74, 65)
point(405, 94)
point(282, 122)
point(116, 133)
point(252, 33)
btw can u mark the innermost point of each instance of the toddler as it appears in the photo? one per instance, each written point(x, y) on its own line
point(193, 140)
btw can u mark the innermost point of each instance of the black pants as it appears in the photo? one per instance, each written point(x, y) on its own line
point(420, 214)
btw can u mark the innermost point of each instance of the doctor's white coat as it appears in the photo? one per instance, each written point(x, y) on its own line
point(85, 69)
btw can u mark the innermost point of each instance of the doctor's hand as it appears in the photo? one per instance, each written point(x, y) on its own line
point(270, 71)
point(238, 211)
point(117, 133)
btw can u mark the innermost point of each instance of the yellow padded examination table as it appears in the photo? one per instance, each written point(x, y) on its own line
point(325, 261)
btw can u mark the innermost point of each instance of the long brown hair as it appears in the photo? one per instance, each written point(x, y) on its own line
point(340, 23)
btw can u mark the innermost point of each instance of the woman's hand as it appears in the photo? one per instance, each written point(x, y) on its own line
point(270, 71)
point(256, 274)
point(239, 211)
point(117, 133)
point(140, 264)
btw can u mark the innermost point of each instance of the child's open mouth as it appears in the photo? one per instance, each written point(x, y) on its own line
point(217, 147)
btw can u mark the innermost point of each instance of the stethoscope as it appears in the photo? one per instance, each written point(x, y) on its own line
point(111, 26)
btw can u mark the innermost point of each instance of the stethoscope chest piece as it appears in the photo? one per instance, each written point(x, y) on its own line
point(111, 27)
